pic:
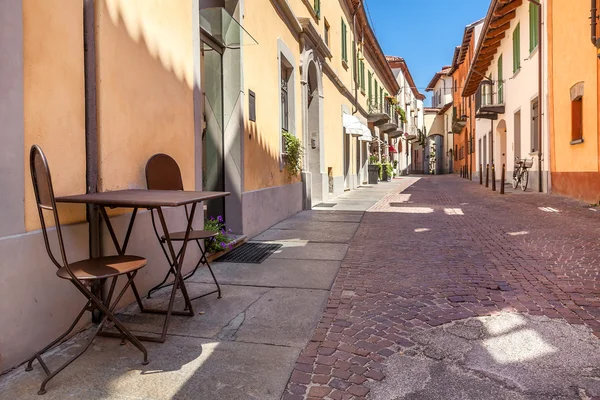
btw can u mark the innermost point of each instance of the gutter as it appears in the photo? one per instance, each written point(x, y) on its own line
point(594, 23)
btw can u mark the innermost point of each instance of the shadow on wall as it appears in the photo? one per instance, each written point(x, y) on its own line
point(262, 167)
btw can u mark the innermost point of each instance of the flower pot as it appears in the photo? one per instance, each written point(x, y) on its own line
point(373, 174)
point(384, 175)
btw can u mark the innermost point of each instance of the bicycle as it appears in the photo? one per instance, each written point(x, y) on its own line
point(521, 173)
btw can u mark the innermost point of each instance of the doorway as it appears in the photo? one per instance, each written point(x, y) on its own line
point(314, 149)
point(501, 134)
point(213, 167)
point(517, 135)
point(346, 159)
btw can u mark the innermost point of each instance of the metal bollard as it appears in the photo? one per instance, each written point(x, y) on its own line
point(502, 180)
point(460, 172)
point(493, 178)
point(480, 173)
point(487, 175)
point(470, 172)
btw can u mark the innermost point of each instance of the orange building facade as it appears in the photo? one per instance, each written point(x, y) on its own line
point(463, 114)
point(574, 106)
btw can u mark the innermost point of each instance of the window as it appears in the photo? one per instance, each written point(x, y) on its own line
point(534, 126)
point(354, 63)
point(517, 48)
point(361, 77)
point(577, 120)
point(455, 85)
point(327, 29)
point(285, 100)
point(376, 95)
point(500, 82)
point(344, 42)
point(251, 105)
point(370, 87)
point(517, 134)
point(381, 95)
point(456, 153)
point(534, 20)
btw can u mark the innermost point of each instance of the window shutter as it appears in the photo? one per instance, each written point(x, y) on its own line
point(344, 47)
point(500, 83)
point(517, 48)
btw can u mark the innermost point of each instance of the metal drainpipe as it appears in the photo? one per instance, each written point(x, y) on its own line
point(540, 98)
point(91, 136)
point(355, 61)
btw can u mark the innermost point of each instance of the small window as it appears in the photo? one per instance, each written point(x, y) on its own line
point(534, 20)
point(577, 119)
point(517, 48)
point(535, 143)
point(344, 42)
point(317, 8)
point(252, 105)
point(327, 29)
point(285, 78)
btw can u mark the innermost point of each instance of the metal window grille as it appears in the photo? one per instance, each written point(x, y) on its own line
point(285, 76)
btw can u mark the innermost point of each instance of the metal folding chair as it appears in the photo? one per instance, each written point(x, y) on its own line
point(163, 173)
point(82, 274)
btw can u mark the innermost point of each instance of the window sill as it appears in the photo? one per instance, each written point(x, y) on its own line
point(534, 51)
point(362, 91)
point(516, 73)
point(345, 64)
point(576, 141)
point(534, 153)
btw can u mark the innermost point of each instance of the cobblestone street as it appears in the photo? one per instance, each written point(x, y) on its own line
point(445, 250)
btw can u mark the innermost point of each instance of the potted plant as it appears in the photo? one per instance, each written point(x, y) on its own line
point(293, 154)
point(387, 172)
point(373, 169)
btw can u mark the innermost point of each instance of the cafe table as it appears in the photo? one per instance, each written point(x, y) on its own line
point(152, 200)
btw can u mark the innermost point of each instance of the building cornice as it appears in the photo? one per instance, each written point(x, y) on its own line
point(310, 31)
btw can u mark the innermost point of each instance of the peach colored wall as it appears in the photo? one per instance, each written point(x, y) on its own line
point(573, 59)
point(261, 71)
point(54, 99)
point(145, 79)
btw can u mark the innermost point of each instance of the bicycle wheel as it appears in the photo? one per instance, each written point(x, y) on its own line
point(515, 181)
point(525, 180)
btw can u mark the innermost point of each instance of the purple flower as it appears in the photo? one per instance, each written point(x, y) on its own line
point(212, 218)
point(220, 219)
point(223, 231)
point(223, 244)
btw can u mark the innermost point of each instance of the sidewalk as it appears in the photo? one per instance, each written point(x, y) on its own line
point(243, 346)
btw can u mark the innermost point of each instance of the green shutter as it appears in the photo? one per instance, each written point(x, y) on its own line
point(370, 92)
point(534, 20)
point(362, 75)
point(344, 42)
point(500, 82)
point(354, 70)
point(317, 7)
point(517, 48)
point(375, 97)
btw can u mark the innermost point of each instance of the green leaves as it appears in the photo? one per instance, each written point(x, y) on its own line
point(293, 153)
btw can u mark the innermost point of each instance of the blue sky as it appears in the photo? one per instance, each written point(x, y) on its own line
point(423, 32)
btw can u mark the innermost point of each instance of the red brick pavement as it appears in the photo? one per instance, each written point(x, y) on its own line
point(419, 263)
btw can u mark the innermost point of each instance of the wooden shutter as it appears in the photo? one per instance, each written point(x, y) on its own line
point(577, 119)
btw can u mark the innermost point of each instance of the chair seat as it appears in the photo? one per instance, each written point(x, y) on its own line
point(194, 235)
point(103, 267)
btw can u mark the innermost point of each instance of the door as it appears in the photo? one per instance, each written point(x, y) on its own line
point(484, 151)
point(346, 160)
point(212, 134)
point(517, 133)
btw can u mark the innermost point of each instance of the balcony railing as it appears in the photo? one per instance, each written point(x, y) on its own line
point(458, 121)
point(379, 112)
point(486, 101)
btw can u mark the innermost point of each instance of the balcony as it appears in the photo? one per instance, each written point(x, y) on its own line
point(458, 121)
point(378, 113)
point(487, 105)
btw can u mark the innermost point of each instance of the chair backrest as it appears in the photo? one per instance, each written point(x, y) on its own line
point(44, 198)
point(163, 173)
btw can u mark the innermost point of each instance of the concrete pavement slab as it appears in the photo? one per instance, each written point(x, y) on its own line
point(330, 216)
point(274, 272)
point(285, 317)
point(181, 368)
point(324, 226)
point(313, 236)
point(310, 251)
point(215, 313)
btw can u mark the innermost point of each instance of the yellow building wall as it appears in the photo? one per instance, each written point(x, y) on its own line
point(261, 70)
point(54, 107)
point(144, 83)
point(573, 60)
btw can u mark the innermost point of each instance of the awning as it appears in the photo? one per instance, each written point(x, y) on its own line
point(392, 149)
point(224, 29)
point(352, 125)
point(366, 136)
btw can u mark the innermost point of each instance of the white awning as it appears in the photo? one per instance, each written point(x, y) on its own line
point(352, 125)
point(366, 136)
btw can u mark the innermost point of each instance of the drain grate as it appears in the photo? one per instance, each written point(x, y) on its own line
point(326, 205)
point(250, 253)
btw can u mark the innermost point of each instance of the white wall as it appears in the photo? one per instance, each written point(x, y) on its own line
point(520, 89)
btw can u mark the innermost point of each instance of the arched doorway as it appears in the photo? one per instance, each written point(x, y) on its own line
point(501, 140)
point(315, 182)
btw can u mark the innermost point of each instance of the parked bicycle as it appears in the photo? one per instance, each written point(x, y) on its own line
point(521, 173)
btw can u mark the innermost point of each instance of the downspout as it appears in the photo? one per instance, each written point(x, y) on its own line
point(91, 136)
point(540, 98)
